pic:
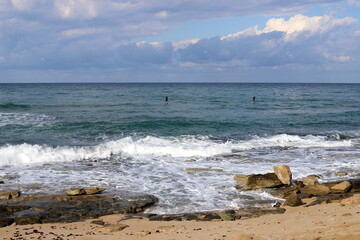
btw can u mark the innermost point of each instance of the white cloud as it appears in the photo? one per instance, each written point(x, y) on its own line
point(82, 9)
point(337, 58)
point(296, 25)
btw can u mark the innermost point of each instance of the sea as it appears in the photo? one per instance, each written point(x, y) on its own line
point(123, 136)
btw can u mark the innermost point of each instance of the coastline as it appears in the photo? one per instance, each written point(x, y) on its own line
point(335, 220)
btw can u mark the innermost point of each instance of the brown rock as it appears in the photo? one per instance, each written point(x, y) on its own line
point(298, 184)
point(293, 200)
point(255, 181)
point(284, 174)
point(310, 180)
point(112, 228)
point(315, 190)
point(75, 191)
point(9, 195)
point(341, 174)
point(94, 190)
point(195, 170)
point(341, 187)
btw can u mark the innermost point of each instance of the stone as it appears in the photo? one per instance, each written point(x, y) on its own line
point(315, 190)
point(9, 195)
point(112, 228)
point(195, 170)
point(75, 191)
point(293, 200)
point(284, 174)
point(310, 181)
point(341, 187)
point(2, 182)
point(94, 190)
point(341, 174)
point(256, 181)
point(298, 184)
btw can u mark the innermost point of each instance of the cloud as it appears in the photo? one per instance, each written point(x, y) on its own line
point(296, 25)
point(354, 3)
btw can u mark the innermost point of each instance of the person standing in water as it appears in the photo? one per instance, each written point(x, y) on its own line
point(166, 100)
point(254, 99)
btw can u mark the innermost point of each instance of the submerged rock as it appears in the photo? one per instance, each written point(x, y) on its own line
point(82, 191)
point(341, 174)
point(195, 170)
point(256, 181)
point(310, 180)
point(284, 174)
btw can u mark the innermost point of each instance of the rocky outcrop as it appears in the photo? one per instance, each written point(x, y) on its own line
point(256, 181)
point(341, 174)
point(310, 180)
point(31, 209)
point(341, 187)
point(284, 174)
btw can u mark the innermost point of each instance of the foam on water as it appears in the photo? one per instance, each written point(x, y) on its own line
point(156, 165)
point(180, 147)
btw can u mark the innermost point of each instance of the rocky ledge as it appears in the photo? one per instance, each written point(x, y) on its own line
point(77, 204)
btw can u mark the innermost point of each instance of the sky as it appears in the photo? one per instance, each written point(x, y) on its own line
point(180, 41)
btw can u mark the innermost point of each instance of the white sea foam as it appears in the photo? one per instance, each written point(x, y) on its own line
point(156, 165)
point(180, 147)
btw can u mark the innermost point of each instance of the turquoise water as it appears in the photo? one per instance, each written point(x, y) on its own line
point(105, 134)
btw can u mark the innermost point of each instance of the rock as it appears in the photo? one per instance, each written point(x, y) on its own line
point(2, 182)
point(30, 209)
point(315, 190)
point(94, 190)
point(341, 187)
point(98, 222)
point(310, 181)
point(190, 160)
point(341, 174)
point(9, 195)
point(75, 191)
point(284, 174)
point(195, 170)
point(256, 181)
point(112, 228)
point(293, 200)
point(298, 184)
point(356, 175)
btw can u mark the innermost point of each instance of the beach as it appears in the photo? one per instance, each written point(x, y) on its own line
point(336, 220)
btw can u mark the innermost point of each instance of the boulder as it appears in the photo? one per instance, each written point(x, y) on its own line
point(75, 191)
point(293, 200)
point(310, 180)
point(93, 190)
point(9, 195)
point(284, 174)
point(341, 187)
point(256, 181)
point(315, 190)
point(341, 174)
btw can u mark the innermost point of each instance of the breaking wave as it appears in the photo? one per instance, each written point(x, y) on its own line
point(176, 147)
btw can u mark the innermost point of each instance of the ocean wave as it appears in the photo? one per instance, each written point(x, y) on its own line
point(24, 119)
point(177, 147)
point(14, 106)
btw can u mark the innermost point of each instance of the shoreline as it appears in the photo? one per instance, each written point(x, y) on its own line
point(339, 219)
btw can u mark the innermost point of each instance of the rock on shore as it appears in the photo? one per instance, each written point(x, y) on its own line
point(30, 209)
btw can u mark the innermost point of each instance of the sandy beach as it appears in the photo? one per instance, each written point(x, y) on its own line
point(336, 220)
